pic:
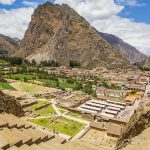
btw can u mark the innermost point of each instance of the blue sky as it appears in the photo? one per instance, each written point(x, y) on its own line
point(128, 19)
point(140, 13)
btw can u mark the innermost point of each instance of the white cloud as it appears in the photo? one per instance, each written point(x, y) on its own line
point(30, 3)
point(14, 22)
point(7, 2)
point(103, 15)
point(129, 2)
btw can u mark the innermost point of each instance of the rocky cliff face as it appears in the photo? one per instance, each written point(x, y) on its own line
point(57, 32)
point(139, 122)
point(10, 105)
point(126, 50)
point(8, 46)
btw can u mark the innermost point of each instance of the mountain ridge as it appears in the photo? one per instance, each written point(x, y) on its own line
point(8, 46)
point(130, 52)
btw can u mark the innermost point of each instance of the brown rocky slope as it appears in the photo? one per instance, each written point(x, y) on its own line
point(133, 133)
point(9, 104)
point(57, 32)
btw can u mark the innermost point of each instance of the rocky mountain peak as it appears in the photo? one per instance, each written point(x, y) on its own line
point(57, 32)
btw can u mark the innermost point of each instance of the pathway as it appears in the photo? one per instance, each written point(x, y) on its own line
point(83, 131)
point(76, 119)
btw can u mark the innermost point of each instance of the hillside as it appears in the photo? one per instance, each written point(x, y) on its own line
point(136, 132)
point(8, 46)
point(130, 52)
point(57, 32)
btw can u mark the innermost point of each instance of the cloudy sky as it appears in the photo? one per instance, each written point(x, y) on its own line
point(128, 19)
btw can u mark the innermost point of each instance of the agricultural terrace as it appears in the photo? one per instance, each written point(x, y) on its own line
point(79, 116)
point(46, 111)
point(42, 121)
point(6, 86)
point(47, 80)
point(66, 126)
point(31, 88)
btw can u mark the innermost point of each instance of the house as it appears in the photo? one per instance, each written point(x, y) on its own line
point(100, 91)
point(114, 130)
point(130, 100)
point(116, 93)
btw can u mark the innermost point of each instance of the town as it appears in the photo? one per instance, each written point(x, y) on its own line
point(87, 107)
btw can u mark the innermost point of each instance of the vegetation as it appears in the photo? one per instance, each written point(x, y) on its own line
point(12, 60)
point(46, 111)
point(39, 104)
point(41, 121)
point(66, 126)
point(74, 64)
point(6, 86)
point(50, 63)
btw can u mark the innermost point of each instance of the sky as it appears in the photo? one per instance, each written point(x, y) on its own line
point(127, 19)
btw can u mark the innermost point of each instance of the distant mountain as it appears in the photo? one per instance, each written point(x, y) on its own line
point(145, 63)
point(8, 45)
point(57, 32)
point(126, 50)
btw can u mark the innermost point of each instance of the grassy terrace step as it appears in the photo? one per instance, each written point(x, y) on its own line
point(6, 86)
point(44, 111)
point(42, 121)
point(66, 126)
point(39, 104)
point(47, 80)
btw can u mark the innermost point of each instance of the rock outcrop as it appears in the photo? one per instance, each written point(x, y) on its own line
point(8, 46)
point(9, 104)
point(139, 122)
point(57, 32)
point(125, 49)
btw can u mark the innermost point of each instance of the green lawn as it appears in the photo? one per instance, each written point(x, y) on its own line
point(66, 126)
point(41, 121)
point(62, 111)
point(39, 104)
point(21, 76)
point(6, 86)
point(48, 80)
point(46, 111)
point(79, 116)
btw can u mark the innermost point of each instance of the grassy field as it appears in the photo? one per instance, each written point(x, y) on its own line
point(31, 88)
point(47, 80)
point(79, 116)
point(6, 86)
point(39, 104)
point(41, 121)
point(66, 126)
point(46, 111)
point(21, 76)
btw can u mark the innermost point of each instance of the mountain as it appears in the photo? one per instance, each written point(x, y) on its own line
point(130, 52)
point(145, 63)
point(57, 32)
point(8, 46)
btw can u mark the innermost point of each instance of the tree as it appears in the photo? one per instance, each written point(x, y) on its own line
point(88, 89)
point(33, 62)
point(74, 64)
